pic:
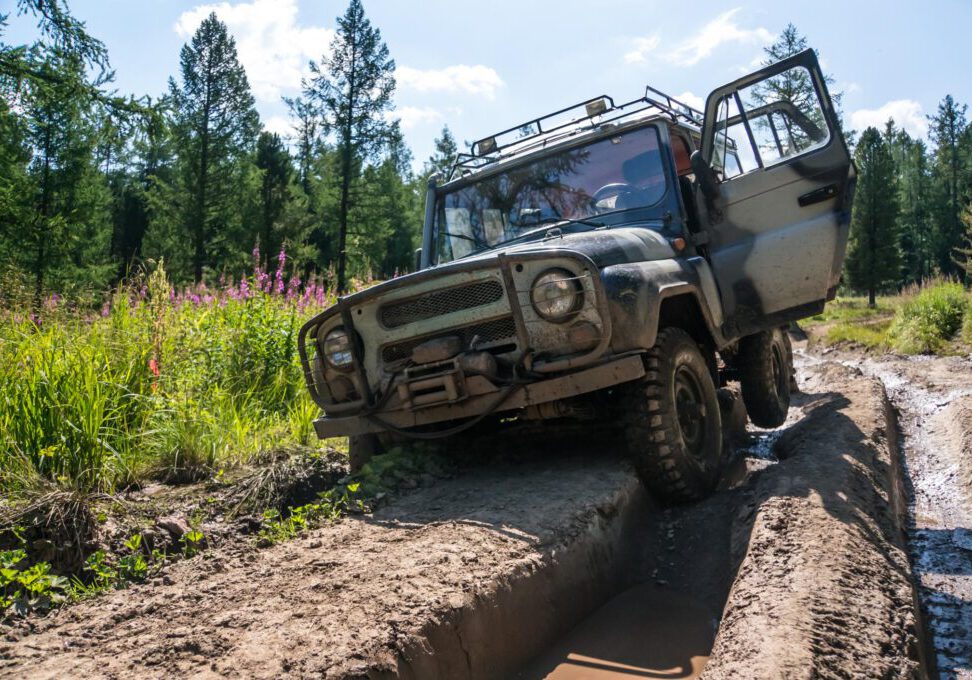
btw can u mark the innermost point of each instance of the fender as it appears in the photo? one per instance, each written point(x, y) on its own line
point(637, 290)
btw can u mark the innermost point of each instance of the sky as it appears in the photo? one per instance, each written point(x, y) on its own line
point(480, 67)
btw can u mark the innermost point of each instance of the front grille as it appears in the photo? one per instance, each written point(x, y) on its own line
point(440, 302)
point(489, 333)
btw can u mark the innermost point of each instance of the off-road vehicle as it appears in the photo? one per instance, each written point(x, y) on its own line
point(605, 259)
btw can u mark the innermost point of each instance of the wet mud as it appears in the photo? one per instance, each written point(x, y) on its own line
point(933, 400)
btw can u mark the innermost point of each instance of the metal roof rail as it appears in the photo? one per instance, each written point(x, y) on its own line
point(596, 111)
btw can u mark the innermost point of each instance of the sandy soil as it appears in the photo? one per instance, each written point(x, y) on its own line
point(486, 575)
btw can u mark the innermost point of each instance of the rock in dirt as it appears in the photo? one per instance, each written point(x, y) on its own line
point(175, 525)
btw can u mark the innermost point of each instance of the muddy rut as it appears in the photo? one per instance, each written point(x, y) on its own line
point(560, 566)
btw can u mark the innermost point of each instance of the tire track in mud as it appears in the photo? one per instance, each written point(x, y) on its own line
point(933, 399)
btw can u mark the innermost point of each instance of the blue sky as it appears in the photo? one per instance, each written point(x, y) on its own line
point(483, 66)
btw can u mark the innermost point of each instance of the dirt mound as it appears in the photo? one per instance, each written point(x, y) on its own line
point(368, 595)
point(957, 421)
point(823, 588)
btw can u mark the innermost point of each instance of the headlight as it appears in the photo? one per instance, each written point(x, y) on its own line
point(556, 295)
point(337, 348)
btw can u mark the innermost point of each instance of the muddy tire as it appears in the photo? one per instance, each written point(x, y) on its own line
point(361, 449)
point(765, 363)
point(673, 425)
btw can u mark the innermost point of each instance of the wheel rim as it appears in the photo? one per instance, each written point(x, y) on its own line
point(780, 379)
point(690, 411)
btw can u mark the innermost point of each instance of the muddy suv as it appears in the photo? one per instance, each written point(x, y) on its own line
point(605, 264)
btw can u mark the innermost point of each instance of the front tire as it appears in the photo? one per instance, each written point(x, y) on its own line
point(674, 426)
point(765, 375)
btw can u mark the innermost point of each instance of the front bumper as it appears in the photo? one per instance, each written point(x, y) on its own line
point(482, 394)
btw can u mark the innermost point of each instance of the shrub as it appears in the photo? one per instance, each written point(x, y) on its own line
point(924, 323)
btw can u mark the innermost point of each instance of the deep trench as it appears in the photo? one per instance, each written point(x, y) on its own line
point(641, 595)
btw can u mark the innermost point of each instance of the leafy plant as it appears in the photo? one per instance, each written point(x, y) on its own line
point(330, 507)
point(25, 589)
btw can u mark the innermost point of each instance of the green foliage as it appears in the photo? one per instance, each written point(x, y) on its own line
point(25, 589)
point(215, 127)
point(870, 336)
point(105, 571)
point(929, 319)
point(872, 258)
point(174, 388)
point(330, 506)
point(351, 90)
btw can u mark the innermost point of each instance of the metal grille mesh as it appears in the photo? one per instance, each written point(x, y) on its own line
point(440, 302)
point(489, 333)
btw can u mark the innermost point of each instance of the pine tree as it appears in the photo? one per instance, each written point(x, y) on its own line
point(964, 254)
point(352, 88)
point(215, 127)
point(914, 195)
point(795, 85)
point(273, 162)
point(873, 256)
point(65, 240)
point(948, 128)
point(440, 162)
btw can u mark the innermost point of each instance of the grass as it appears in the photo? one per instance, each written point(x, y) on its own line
point(932, 318)
point(160, 384)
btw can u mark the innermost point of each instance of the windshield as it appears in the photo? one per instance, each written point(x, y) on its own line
point(610, 175)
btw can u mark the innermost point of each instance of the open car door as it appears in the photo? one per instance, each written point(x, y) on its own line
point(779, 214)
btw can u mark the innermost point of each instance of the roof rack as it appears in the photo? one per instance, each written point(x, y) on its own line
point(597, 111)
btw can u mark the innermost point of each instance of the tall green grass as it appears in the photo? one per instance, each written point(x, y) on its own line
point(929, 318)
point(159, 384)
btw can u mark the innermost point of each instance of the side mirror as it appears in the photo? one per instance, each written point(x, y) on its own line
point(705, 176)
point(418, 259)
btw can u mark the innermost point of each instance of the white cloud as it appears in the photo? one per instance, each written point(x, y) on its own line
point(411, 116)
point(476, 80)
point(273, 49)
point(906, 113)
point(692, 99)
point(282, 125)
point(641, 47)
point(723, 29)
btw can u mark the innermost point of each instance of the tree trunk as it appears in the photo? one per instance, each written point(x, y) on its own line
point(343, 216)
point(40, 264)
point(871, 298)
point(199, 228)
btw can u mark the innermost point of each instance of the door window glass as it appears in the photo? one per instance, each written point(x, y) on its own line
point(784, 119)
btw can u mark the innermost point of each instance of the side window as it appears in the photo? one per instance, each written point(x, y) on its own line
point(780, 118)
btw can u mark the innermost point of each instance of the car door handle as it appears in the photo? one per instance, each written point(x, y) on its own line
point(817, 195)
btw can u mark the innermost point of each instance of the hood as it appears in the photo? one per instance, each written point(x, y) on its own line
point(606, 247)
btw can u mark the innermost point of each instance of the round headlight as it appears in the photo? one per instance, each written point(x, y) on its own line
point(337, 348)
point(556, 295)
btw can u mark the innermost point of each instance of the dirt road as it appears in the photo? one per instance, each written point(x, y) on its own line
point(933, 397)
point(559, 566)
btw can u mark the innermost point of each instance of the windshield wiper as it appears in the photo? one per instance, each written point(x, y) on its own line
point(464, 237)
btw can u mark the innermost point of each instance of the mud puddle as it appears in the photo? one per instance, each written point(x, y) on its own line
point(933, 397)
point(647, 631)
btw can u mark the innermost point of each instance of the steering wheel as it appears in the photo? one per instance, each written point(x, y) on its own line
point(612, 189)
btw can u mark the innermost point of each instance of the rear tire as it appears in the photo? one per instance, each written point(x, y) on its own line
point(673, 424)
point(765, 373)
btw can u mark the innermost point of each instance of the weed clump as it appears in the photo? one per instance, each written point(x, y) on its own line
point(930, 318)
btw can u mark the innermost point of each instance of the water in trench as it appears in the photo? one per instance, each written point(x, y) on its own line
point(645, 632)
